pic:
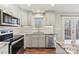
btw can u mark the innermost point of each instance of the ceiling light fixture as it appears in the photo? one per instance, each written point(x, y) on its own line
point(28, 4)
point(52, 4)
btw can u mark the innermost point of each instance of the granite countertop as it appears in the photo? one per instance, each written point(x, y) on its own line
point(69, 48)
point(15, 37)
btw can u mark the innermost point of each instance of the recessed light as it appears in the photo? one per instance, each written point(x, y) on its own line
point(52, 4)
point(28, 4)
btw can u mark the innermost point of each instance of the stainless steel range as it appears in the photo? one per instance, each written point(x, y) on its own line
point(6, 35)
point(16, 42)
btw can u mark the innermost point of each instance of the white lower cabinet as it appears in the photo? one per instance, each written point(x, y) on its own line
point(27, 41)
point(37, 41)
point(4, 50)
point(34, 41)
point(41, 42)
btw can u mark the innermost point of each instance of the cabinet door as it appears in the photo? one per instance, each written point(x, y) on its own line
point(41, 40)
point(27, 41)
point(38, 41)
point(24, 18)
point(34, 41)
point(50, 19)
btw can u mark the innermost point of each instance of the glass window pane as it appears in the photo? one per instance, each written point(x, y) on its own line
point(77, 30)
point(38, 22)
point(67, 29)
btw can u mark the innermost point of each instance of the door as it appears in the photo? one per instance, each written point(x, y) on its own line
point(71, 29)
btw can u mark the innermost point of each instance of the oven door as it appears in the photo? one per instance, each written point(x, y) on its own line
point(17, 46)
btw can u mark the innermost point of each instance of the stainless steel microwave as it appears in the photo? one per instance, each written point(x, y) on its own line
point(6, 19)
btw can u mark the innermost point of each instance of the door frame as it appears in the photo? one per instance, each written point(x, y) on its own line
point(73, 28)
point(63, 24)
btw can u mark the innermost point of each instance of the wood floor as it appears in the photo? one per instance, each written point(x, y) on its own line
point(58, 50)
point(39, 51)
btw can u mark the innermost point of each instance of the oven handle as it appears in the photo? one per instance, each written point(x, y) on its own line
point(17, 41)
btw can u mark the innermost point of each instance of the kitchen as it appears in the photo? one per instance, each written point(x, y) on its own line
point(38, 29)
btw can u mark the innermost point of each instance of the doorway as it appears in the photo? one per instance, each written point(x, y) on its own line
point(71, 29)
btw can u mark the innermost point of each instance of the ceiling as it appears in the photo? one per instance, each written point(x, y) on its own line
point(49, 7)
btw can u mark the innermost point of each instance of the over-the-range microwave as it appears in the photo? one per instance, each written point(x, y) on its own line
point(6, 19)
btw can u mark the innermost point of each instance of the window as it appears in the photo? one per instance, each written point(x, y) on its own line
point(38, 22)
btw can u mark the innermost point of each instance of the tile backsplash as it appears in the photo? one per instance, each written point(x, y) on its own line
point(16, 30)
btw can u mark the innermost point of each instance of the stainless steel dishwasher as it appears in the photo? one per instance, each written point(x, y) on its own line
point(50, 41)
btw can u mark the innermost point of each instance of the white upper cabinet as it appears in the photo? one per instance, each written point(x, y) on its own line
point(29, 18)
point(14, 14)
point(11, 9)
point(49, 18)
point(24, 18)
